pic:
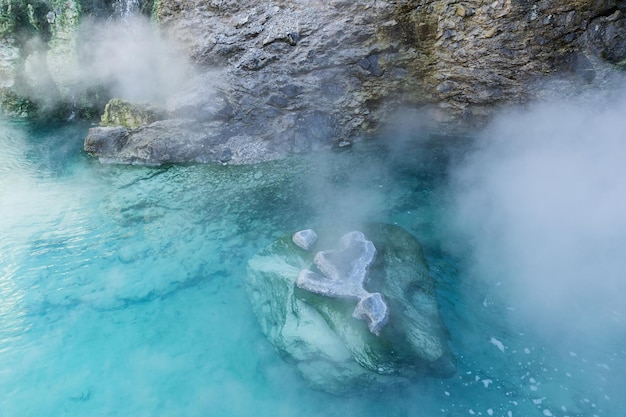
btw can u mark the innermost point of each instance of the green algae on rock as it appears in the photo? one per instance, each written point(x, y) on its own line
point(119, 112)
point(334, 351)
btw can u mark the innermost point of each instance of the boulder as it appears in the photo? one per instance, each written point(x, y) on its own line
point(174, 141)
point(324, 337)
point(123, 113)
point(304, 238)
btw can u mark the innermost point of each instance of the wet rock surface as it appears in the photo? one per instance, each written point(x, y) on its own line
point(334, 350)
point(174, 141)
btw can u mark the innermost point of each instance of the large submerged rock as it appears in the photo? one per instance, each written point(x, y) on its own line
point(321, 332)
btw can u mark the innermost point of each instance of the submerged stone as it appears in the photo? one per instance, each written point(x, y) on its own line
point(327, 339)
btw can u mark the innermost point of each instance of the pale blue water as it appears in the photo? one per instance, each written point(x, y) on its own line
point(122, 289)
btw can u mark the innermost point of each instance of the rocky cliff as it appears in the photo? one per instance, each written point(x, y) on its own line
point(279, 77)
point(321, 331)
point(359, 60)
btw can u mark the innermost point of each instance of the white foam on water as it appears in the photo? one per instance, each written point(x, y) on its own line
point(497, 344)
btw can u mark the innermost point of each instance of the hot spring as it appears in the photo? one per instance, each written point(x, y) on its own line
point(122, 287)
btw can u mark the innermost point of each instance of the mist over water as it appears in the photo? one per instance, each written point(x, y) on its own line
point(127, 57)
point(122, 286)
point(541, 201)
point(133, 59)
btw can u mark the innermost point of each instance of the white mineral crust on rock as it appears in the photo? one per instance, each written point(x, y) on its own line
point(344, 271)
point(304, 238)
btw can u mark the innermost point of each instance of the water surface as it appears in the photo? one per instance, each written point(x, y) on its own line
point(122, 288)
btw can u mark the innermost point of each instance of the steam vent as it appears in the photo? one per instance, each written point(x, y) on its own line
point(351, 313)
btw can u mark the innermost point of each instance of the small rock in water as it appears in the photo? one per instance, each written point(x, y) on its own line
point(304, 238)
point(497, 344)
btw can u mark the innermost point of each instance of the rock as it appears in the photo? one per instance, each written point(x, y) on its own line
point(323, 336)
point(130, 115)
point(357, 62)
point(176, 141)
point(605, 37)
point(304, 238)
point(373, 309)
point(106, 141)
point(343, 274)
point(294, 77)
point(166, 141)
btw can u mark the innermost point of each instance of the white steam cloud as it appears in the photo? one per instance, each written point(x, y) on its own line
point(130, 58)
point(133, 59)
point(541, 201)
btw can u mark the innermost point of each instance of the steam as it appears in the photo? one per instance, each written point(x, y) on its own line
point(129, 58)
point(541, 202)
point(133, 59)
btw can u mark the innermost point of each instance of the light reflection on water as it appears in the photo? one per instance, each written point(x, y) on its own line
point(122, 289)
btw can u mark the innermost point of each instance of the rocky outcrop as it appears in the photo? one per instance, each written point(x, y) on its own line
point(490, 53)
point(122, 113)
point(292, 77)
point(332, 349)
point(360, 60)
point(299, 76)
point(173, 141)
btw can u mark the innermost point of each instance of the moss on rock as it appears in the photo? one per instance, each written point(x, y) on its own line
point(14, 105)
point(119, 112)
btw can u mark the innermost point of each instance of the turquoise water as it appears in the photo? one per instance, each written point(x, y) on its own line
point(121, 288)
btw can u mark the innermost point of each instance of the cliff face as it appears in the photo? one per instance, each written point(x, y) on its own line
point(486, 53)
point(357, 60)
point(279, 77)
point(37, 52)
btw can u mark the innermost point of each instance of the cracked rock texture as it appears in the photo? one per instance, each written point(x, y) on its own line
point(299, 75)
point(279, 77)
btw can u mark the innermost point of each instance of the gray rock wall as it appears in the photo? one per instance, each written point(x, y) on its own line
point(486, 53)
point(294, 76)
point(357, 61)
